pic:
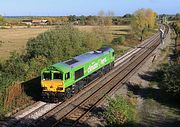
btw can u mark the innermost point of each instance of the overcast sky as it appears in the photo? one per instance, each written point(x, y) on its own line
point(84, 7)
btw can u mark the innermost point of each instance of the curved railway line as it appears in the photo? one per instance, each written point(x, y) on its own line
point(75, 111)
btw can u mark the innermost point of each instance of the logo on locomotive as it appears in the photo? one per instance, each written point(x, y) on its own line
point(103, 61)
point(95, 65)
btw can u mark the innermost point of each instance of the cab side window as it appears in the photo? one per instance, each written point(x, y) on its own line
point(67, 76)
point(79, 73)
point(113, 54)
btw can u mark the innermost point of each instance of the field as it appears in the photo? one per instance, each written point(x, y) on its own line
point(16, 38)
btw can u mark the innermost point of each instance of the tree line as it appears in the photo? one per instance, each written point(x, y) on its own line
point(101, 19)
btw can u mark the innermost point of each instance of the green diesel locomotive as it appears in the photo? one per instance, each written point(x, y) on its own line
point(61, 80)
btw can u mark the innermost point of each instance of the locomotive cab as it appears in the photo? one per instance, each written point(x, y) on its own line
point(52, 81)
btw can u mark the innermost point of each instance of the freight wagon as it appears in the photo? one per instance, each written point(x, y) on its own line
point(61, 80)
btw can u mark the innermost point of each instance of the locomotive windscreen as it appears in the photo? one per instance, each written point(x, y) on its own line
point(58, 76)
point(47, 75)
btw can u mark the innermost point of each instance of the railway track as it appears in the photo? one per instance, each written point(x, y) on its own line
point(57, 110)
point(40, 108)
point(79, 113)
point(63, 114)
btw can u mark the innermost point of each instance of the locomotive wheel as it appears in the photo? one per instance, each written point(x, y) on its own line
point(81, 85)
point(101, 73)
point(75, 89)
point(68, 93)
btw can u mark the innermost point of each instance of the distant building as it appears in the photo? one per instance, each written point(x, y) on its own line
point(27, 22)
point(35, 22)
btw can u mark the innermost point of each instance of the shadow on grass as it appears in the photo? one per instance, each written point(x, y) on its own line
point(160, 99)
point(32, 88)
point(156, 94)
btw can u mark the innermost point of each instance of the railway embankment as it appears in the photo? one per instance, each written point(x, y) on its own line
point(154, 105)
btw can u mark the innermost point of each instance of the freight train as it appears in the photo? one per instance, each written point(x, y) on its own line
point(61, 80)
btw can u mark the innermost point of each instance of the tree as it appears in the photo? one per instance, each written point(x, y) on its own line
point(142, 21)
point(61, 44)
point(127, 16)
point(105, 19)
point(151, 18)
point(139, 23)
point(82, 19)
point(2, 19)
point(65, 19)
point(108, 18)
point(90, 20)
point(72, 18)
point(176, 29)
point(169, 80)
point(101, 16)
point(177, 17)
point(101, 13)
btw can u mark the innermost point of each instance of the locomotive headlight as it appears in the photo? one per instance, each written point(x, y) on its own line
point(59, 88)
point(44, 88)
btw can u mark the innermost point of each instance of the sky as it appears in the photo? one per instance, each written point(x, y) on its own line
point(84, 7)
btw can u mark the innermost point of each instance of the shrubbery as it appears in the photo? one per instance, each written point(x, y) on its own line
point(169, 79)
point(119, 40)
point(62, 44)
point(120, 111)
point(47, 48)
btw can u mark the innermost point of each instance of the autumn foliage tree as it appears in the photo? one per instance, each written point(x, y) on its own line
point(142, 21)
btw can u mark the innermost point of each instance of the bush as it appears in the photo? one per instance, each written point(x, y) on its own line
point(120, 111)
point(169, 80)
point(118, 40)
point(15, 66)
point(46, 49)
point(61, 44)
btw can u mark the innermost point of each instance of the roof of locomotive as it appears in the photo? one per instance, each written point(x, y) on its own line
point(81, 59)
